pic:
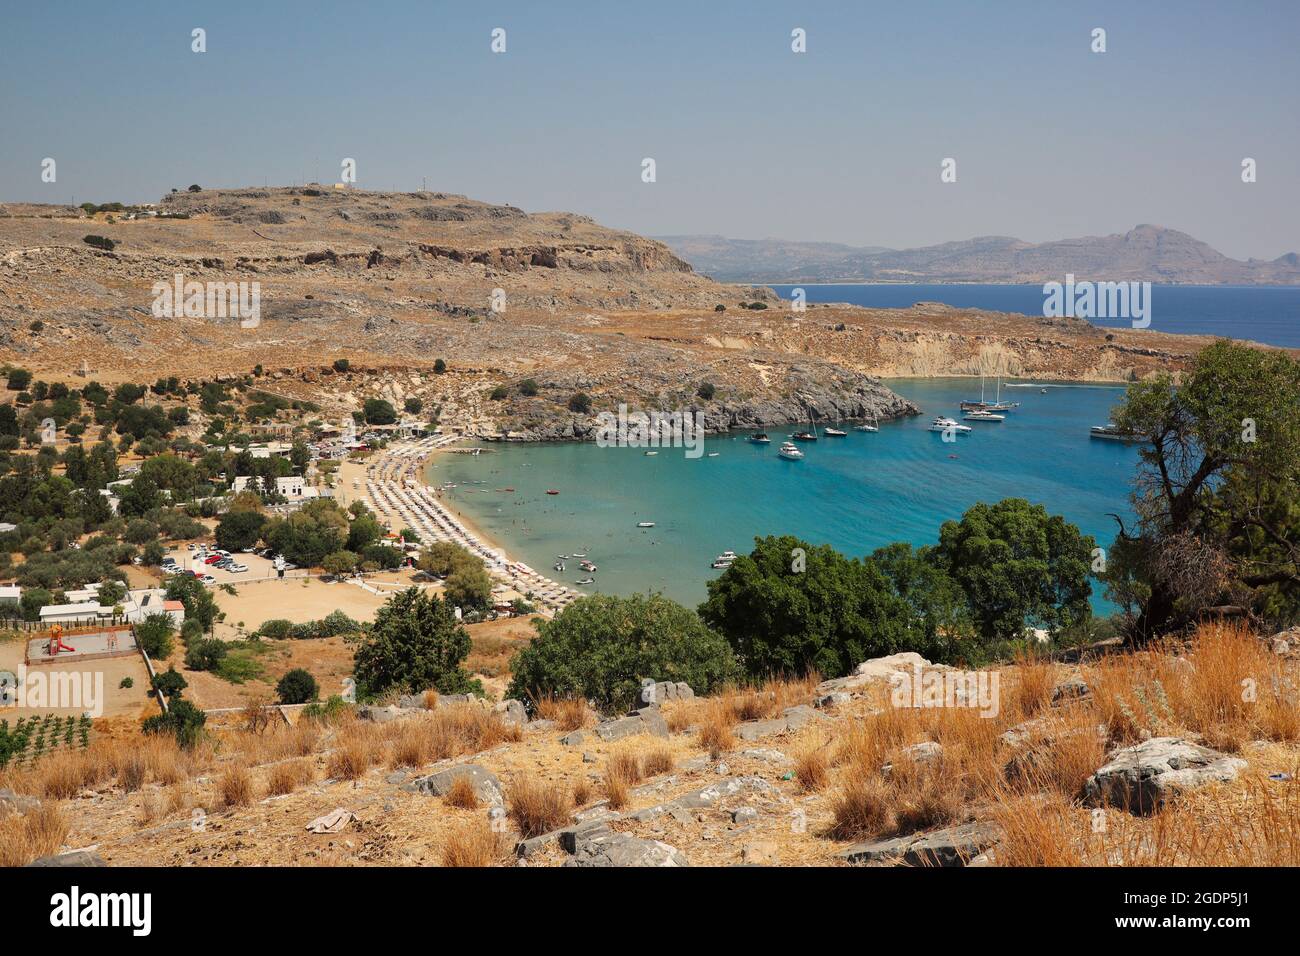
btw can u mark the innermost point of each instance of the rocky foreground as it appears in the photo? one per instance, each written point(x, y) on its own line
point(1123, 759)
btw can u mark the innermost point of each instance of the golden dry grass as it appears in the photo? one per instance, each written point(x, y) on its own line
point(461, 794)
point(288, 775)
point(569, 713)
point(812, 767)
point(537, 807)
point(472, 843)
point(657, 760)
point(30, 836)
point(235, 787)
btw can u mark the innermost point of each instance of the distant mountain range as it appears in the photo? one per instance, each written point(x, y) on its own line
point(1145, 252)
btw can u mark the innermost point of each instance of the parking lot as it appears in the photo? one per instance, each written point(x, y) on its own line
point(258, 568)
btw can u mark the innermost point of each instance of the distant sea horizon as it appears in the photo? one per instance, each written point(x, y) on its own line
point(1266, 314)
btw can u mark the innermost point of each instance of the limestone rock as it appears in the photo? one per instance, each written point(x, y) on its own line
point(486, 785)
point(624, 849)
point(1143, 778)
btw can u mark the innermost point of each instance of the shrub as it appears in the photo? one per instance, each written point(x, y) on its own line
point(706, 391)
point(601, 648)
point(528, 387)
point(205, 655)
point(183, 720)
point(297, 687)
point(169, 683)
point(498, 393)
point(154, 635)
point(100, 242)
point(580, 403)
point(415, 643)
point(276, 629)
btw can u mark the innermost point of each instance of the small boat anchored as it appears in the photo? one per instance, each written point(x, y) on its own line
point(551, 491)
point(759, 438)
point(586, 580)
point(645, 524)
point(1112, 432)
point(942, 424)
point(833, 433)
point(790, 451)
point(983, 416)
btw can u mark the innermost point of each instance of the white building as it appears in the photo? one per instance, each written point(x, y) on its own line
point(294, 486)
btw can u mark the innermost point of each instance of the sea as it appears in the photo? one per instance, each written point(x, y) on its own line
point(1268, 314)
point(855, 493)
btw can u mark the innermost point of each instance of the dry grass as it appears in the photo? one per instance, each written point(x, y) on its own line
point(715, 733)
point(472, 843)
point(1031, 691)
point(569, 713)
point(288, 775)
point(812, 767)
point(657, 760)
point(626, 765)
point(235, 787)
point(581, 793)
point(461, 794)
point(30, 836)
point(537, 807)
point(356, 749)
point(617, 790)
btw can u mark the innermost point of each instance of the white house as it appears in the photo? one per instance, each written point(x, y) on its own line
point(290, 487)
point(10, 594)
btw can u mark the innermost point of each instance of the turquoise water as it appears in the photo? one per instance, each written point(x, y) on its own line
point(855, 493)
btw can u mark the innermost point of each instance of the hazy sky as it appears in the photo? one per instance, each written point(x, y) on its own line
point(842, 143)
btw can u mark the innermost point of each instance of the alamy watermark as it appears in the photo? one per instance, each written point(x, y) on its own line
point(651, 430)
point(1098, 300)
point(41, 688)
point(208, 300)
point(946, 688)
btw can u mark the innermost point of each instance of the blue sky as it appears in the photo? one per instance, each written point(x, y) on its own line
point(842, 143)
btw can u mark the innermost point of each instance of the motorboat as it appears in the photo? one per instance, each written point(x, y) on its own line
point(586, 580)
point(833, 433)
point(788, 450)
point(804, 436)
point(1112, 432)
point(943, 424)
point(759, 438)
point(983, 416)
point(645, 524)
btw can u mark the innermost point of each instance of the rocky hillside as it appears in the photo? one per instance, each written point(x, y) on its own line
point(395, 282)
point(1150, 253)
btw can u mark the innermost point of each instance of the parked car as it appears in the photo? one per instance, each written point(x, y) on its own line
point(208, 579)
point(212, 559)
point(237, 568)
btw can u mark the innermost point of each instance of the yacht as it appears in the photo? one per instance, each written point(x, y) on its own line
point(586, 580)
point(1111, 431)
point(645, 524)
point(587, 566)
point(983, 416)
point(720, 565)
point(788, 450)
point(864, 427)
point(833, 433)
point(942, 424)
point(759, 438)
point(804, 436)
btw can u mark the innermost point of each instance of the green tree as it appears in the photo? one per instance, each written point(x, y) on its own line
point(1216, 528)
point(469, 587)
point(170, 683)
point(183, 720)
point(1019, 567)
point(297, 687)
point(339, 563)
point(199, 603)
point(414, 644)
point(205, 655)
point(239, 530)
point(603, 648)
point(789, 607)
point(154, 635)
point(377, 411)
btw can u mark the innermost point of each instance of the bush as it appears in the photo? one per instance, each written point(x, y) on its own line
point(183, 720)
point(603, 647)
point(439, 367)
point(581, 403)
point(127, 683)
point(169, 683)
point(528, 387)
point(205, 655)
point(276, 629)
point(191, 631)
point(706, 391)
point(341, 365)
point(154, 635)
point(100, 242)
point(297, 687)
point(498, 393)
point(415, 644)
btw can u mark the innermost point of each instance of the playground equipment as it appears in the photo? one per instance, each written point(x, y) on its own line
point(56, 642)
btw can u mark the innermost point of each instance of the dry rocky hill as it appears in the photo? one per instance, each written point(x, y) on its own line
point(394, 282)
